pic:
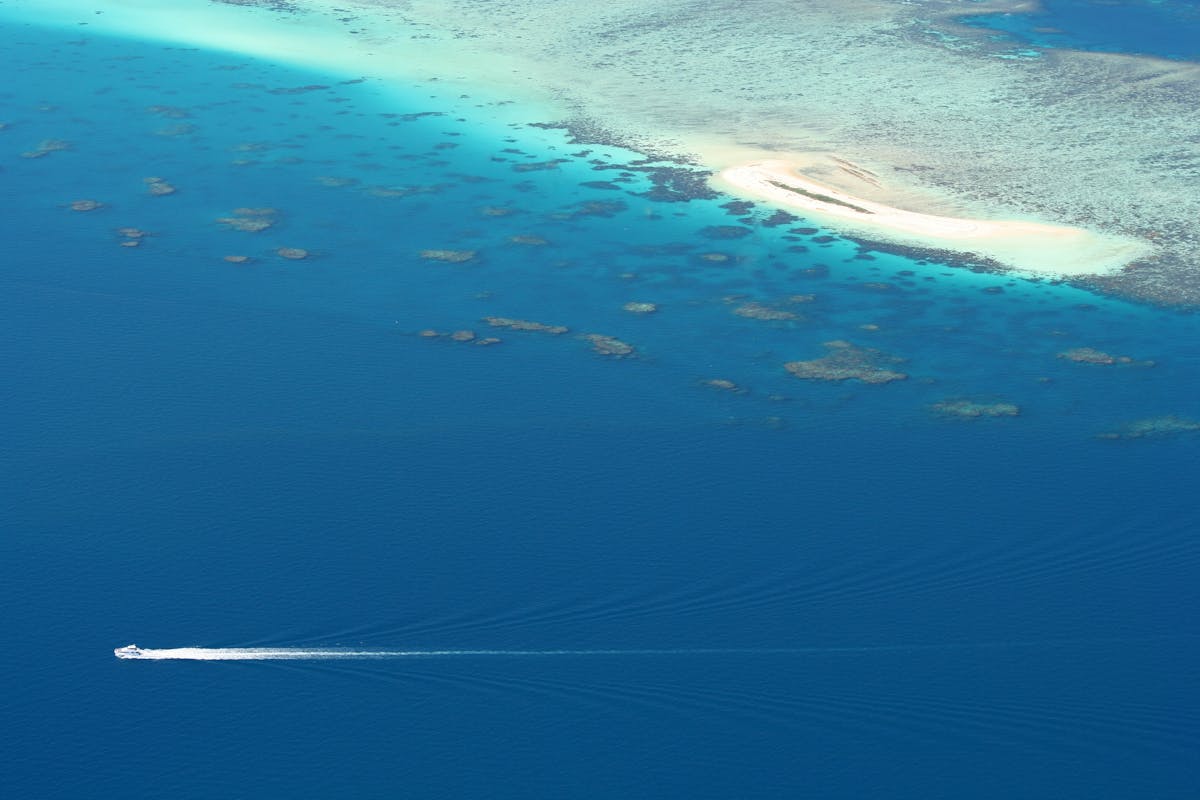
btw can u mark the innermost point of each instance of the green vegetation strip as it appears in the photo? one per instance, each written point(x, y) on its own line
point(824, 198)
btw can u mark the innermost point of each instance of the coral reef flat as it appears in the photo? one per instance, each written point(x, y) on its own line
point(895, 103)
point(946, 119)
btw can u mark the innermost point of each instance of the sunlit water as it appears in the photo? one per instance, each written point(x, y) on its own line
point(801, 588)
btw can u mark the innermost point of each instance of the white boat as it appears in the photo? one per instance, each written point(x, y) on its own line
point(128, 651)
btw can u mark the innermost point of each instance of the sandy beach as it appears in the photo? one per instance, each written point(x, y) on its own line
point(1029, 247)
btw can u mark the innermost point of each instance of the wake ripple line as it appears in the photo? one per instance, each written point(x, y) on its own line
point(133, 652)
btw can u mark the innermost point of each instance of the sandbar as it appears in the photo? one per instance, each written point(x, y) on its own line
point(1029, 247)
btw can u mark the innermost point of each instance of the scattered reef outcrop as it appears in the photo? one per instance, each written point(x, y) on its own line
point(609, 345)
point(723, 385)
point(462, 336)
point(46, 147)
point(1090, 355)
point(974, 409)
point(158, 187)
point(847, 361)
point(525, 325)
point(1153, 428)
point(449, 256)
point(756, 310)
point(527, 239)
point(250, 220)
point(131, 237)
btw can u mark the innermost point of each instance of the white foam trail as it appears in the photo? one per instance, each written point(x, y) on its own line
point(133, 652)
point(334, 653)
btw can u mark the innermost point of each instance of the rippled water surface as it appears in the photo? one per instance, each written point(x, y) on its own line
point(862, 596)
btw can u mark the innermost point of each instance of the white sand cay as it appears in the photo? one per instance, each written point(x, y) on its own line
point(1028, 247)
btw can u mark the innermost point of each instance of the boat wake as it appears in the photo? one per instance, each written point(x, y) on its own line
point(133, 652)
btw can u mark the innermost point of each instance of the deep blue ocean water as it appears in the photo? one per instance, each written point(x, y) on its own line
point(1165, 28)
point(215, 454)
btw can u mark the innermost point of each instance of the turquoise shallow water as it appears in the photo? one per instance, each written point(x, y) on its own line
point(267, 454)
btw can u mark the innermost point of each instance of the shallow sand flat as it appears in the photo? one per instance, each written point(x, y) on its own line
point(1032, 247)
point(947, 121)
point(944, 115)
point(250, 28)
point(375, 42)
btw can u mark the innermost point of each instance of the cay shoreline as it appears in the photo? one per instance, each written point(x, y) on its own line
point(1028, 247)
